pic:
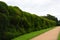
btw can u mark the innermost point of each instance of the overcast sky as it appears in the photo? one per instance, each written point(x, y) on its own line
point(38, 7)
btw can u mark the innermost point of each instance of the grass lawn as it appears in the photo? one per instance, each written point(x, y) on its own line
point(31, 35)
point(59, 36)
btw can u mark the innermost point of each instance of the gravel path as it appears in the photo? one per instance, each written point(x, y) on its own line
point(50, 35)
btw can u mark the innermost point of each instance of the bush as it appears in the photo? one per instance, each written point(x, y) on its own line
point(14, 22)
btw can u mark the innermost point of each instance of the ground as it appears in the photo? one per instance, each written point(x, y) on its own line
point(50, 35)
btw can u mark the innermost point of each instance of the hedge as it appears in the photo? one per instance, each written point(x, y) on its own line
point(15, 22)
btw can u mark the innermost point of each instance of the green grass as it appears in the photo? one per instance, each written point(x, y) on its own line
point(59, 36)
point(31, 35)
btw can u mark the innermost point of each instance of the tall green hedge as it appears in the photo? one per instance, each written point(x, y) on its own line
point(15, 22)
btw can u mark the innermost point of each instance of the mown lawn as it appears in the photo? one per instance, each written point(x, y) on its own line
point(59, 36)
point(31, 35)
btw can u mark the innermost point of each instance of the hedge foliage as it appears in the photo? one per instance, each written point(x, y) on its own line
point(15, 22)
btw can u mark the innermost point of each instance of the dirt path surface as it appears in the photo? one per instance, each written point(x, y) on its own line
point(50, 35)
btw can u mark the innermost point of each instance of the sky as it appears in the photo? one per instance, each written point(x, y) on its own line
point(38, 7)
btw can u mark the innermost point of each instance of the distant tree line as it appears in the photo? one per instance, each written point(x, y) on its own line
point(50, 17)
point(15, 22)
point(58, 23)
